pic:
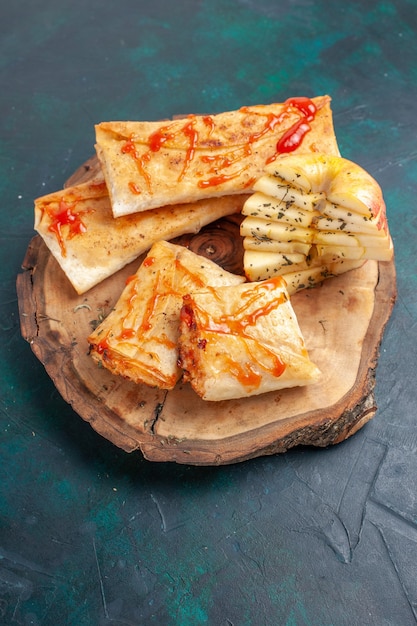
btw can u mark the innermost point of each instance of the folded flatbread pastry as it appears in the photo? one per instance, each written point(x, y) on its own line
point(78, 226)
point(139, 338)
point(151, 164)
point(242, 340)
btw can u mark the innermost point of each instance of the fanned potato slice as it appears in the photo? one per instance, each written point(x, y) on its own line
point(271, 245)
point(312, 276)
point(344, 182)
point(381, 243)
point(368, 226)
point(347, 220)
point(259, 228)
point(354, 252)
point(269, 264)
point(267, 207)
point(290, 196)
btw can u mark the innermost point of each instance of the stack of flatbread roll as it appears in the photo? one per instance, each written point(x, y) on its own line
point(180, 315)
point(159, 180)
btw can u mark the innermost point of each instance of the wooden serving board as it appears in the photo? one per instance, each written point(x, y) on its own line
point(342, 320)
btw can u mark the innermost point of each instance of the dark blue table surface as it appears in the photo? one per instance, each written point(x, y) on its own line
point(91, 535)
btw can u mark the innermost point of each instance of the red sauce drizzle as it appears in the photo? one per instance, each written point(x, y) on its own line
point(98, 187)
point(102, 346)
point(306, 107)
point(157, 140)
point(293, 137)
point(289, 142)
point(195, 280)
point(220, 161)
point(246, 375)
point(159, 137)
point(150, 260)
point(192, 135)
point(134, 188)
point(130, 148)
point(217, 180)
point(127, 333)
point(65, 216)
point(250, 182)
point(186, 314)
point(271, 121)
point(237, 324)
point(209, 122)
point(149, 311)
point(162, 289)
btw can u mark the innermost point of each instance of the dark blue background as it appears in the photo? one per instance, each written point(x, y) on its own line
point(90, 535)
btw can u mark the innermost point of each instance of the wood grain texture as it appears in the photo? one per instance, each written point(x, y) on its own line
point(342, 321)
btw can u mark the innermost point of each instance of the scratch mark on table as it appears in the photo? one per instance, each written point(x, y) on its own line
point(22, 586)
point(359, 485)
point(340, 526)
point(100, 577)
point(400, 160)
point(392, 519)
point(323, 520)
point(397, 572)
point(260, 566)
point(161, 513)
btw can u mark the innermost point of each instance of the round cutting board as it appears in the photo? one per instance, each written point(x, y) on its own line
point(342, 321)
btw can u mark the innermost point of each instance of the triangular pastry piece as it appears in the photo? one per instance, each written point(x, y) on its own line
point(151, 164)
point(242, 340)
point(138, 339)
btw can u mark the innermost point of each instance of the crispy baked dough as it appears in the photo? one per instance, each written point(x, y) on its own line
point(151, 164)
point(139, 339)
point(242, 340)
point(78, 226)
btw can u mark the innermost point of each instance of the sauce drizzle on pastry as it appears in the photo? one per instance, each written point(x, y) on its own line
point(237, 324)
point(291, 139)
